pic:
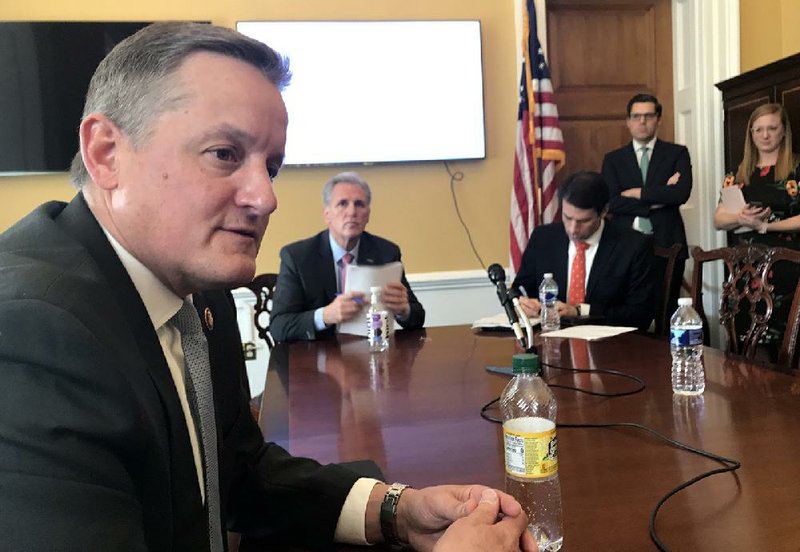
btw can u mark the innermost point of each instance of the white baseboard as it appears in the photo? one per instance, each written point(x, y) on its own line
point(455, 297)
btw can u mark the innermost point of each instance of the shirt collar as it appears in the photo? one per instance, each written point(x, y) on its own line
point(160, 302)
point(637, 145)
point(339, 251)
point(594, 239)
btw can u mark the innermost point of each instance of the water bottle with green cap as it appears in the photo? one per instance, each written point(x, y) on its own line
point(529, 435)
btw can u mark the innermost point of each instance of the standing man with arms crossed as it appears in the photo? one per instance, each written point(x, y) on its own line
point(309, 296)
point(649, 179)
point(124, 420)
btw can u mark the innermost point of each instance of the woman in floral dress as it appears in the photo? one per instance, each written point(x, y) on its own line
point(767, 177)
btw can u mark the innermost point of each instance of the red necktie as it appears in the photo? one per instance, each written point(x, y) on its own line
point(347, 258)
point(577, 279)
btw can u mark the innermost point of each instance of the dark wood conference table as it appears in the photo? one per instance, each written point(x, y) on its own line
point(414, 410)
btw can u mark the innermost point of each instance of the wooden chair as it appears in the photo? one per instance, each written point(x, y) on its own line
point(263, 286)
point(746, 281)
point(664, 309)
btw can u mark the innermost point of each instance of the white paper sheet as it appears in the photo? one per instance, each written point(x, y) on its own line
point(732, 199)
point(361, 278)
point(733, 202)
point(589, 332)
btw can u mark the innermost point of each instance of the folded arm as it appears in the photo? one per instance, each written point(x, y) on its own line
point(678, 187)
point(619, 204)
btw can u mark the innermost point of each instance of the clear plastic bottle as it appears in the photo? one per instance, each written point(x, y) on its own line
point(529, 435)
point(548, 295)
point(686, 343)
point(377, 322)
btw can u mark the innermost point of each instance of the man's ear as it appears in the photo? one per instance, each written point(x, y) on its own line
point(101, 141)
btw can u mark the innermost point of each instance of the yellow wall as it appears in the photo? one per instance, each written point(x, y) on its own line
point(768, 30)
point(412, 204)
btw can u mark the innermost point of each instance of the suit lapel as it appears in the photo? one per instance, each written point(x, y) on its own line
point(560, 271)
point(143, 352)
point(367, 254)
point(632, 164)
point(327, 274)
point(657, 158)
point(602, 259)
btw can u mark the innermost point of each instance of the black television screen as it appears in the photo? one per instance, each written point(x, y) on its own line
point(45, 69)
point(379, 91)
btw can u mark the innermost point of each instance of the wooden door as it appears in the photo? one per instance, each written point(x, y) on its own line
point(601, 53)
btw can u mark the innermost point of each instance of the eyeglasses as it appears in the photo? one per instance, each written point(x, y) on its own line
point(642, 116)
point(767, 129)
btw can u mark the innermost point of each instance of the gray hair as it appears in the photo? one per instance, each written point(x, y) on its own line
point(349, 177)
point(136, 82)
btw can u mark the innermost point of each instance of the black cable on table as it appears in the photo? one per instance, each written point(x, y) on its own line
point(729, 464)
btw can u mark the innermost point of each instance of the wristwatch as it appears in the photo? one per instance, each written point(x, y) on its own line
point(389, 514)
point(578, 308)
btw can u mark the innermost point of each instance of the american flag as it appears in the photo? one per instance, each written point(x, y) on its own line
point(540, 145)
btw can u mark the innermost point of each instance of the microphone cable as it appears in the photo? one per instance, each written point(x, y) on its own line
point(728, 464)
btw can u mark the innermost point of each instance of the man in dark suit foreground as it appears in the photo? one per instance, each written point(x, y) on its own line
point(602, 271)
point(649, 179)
point(104, 439)
point(308, 300)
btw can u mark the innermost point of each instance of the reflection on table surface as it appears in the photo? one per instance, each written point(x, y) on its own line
point(415, 411)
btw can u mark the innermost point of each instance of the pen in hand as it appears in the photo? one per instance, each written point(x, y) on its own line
point(358, 300)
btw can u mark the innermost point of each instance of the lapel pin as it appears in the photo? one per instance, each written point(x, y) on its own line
point(209, 319)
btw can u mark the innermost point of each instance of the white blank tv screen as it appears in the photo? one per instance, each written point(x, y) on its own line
point(379, 91)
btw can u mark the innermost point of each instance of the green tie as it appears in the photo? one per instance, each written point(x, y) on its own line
point(643, 224)
point(644, 163)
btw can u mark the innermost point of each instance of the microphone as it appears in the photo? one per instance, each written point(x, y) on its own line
point(498, 277)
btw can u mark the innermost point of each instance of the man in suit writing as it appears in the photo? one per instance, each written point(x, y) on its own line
point(602, 271)
point(124, 418)
point(309, 297)
point(649, 179)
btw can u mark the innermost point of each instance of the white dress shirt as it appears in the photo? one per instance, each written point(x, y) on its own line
point(637, 149)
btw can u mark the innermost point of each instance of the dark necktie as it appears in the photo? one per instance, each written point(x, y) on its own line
point(197, 376)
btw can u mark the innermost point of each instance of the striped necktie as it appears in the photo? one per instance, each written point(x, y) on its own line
point(199, 391)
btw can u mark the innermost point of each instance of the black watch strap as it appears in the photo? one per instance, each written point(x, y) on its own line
point(389, 514)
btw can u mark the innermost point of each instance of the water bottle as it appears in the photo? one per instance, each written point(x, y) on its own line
point(548, 295)
point(377, 322)
point(529, 436)
point(686, 343)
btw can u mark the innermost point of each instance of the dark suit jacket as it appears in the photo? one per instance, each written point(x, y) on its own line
point(307, 281)
point(621, 172)
point(94, 449)
point(620, 284)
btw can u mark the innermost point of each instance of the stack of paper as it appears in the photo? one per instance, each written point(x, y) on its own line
point(361, 278)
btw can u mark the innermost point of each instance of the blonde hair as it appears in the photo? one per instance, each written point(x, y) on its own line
point(786, 159)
